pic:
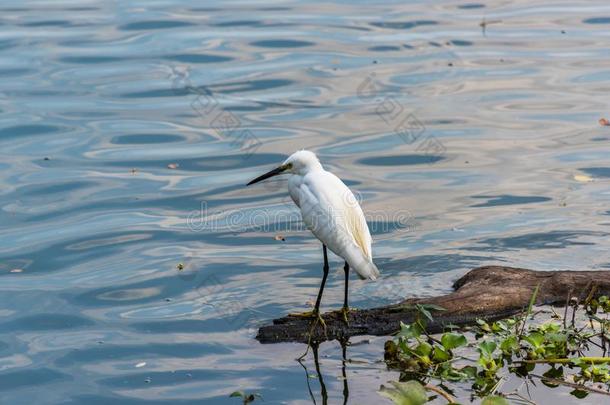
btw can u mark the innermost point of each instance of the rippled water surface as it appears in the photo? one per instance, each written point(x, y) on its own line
point(128, 130)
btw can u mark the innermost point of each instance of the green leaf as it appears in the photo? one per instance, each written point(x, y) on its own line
point(405, 393)
point(483, 325)
point(535, 339)
point(433, 307)
point(580, 394)
point(523, 370)
point(470, 371)
point(410, 331)
point(422, 310)
point(532, 300)
point(509, 345)
point(579, 362)
point(487, 348)
point(452, 340)
point(499, 326)
point(424, 349)
point(494, 400)
point(557, 337)
point(440, 354)
point(237, 394)
point(551, 327)
point(554, 373)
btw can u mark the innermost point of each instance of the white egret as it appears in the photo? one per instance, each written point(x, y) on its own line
point(332, 213)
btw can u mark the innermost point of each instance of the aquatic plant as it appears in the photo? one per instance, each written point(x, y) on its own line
point(487, 353)
point(246, 397)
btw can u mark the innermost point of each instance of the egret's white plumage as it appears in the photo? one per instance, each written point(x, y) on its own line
point(331, 212)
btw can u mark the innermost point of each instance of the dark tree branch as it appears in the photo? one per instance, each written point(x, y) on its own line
point(490, 293)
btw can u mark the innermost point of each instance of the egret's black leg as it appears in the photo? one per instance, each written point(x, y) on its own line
point(345, 308)
point(319, 299)
point(346, 270)
point(316, 311)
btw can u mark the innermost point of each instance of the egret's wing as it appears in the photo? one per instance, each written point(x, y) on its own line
point(356, 225)
point(348, 216)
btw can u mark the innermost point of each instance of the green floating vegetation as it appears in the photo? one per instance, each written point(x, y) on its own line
point(484, 355)
point(246, 397)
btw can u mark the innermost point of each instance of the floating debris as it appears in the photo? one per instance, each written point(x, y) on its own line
point(483, 24)
point(583, 178)
point(17, 271)
point(180, 266)
point(141, 364)
point(173, 166)
point(280, 237)
point(361, 342)
point(604, 122)
point(134, 171)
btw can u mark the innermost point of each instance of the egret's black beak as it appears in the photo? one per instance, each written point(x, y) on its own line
point(274, 172)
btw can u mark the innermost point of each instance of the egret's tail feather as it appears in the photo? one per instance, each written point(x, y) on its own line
point(374, 272)
point(367, 270)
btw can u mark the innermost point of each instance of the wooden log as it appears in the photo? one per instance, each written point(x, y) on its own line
point(489, 293)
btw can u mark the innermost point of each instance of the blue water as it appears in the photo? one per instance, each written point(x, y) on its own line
point(128, 130)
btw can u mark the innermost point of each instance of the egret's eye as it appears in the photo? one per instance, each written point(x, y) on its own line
point(289, 166)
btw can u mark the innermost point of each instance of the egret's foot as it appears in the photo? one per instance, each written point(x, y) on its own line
point(345, 312)
point(320, 320)
point(306, 314)
point(313, 315)
point(316, 318)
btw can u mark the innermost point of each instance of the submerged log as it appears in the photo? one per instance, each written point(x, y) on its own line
point(489, 293)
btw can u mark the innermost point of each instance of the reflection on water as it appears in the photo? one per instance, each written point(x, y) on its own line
point(320, 376)
point(128, 130)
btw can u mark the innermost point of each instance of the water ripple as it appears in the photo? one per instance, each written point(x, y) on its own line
point(129, 130)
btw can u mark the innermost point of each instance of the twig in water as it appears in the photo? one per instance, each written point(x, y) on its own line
point(440, 392)
point(571, 384)
point(565, 312)
point(592, 360)
point(529, 309)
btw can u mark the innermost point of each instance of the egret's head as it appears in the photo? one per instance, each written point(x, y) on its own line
point(300, 162)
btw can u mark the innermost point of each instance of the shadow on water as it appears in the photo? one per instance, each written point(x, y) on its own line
point(495, 200)
point(536, 240)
